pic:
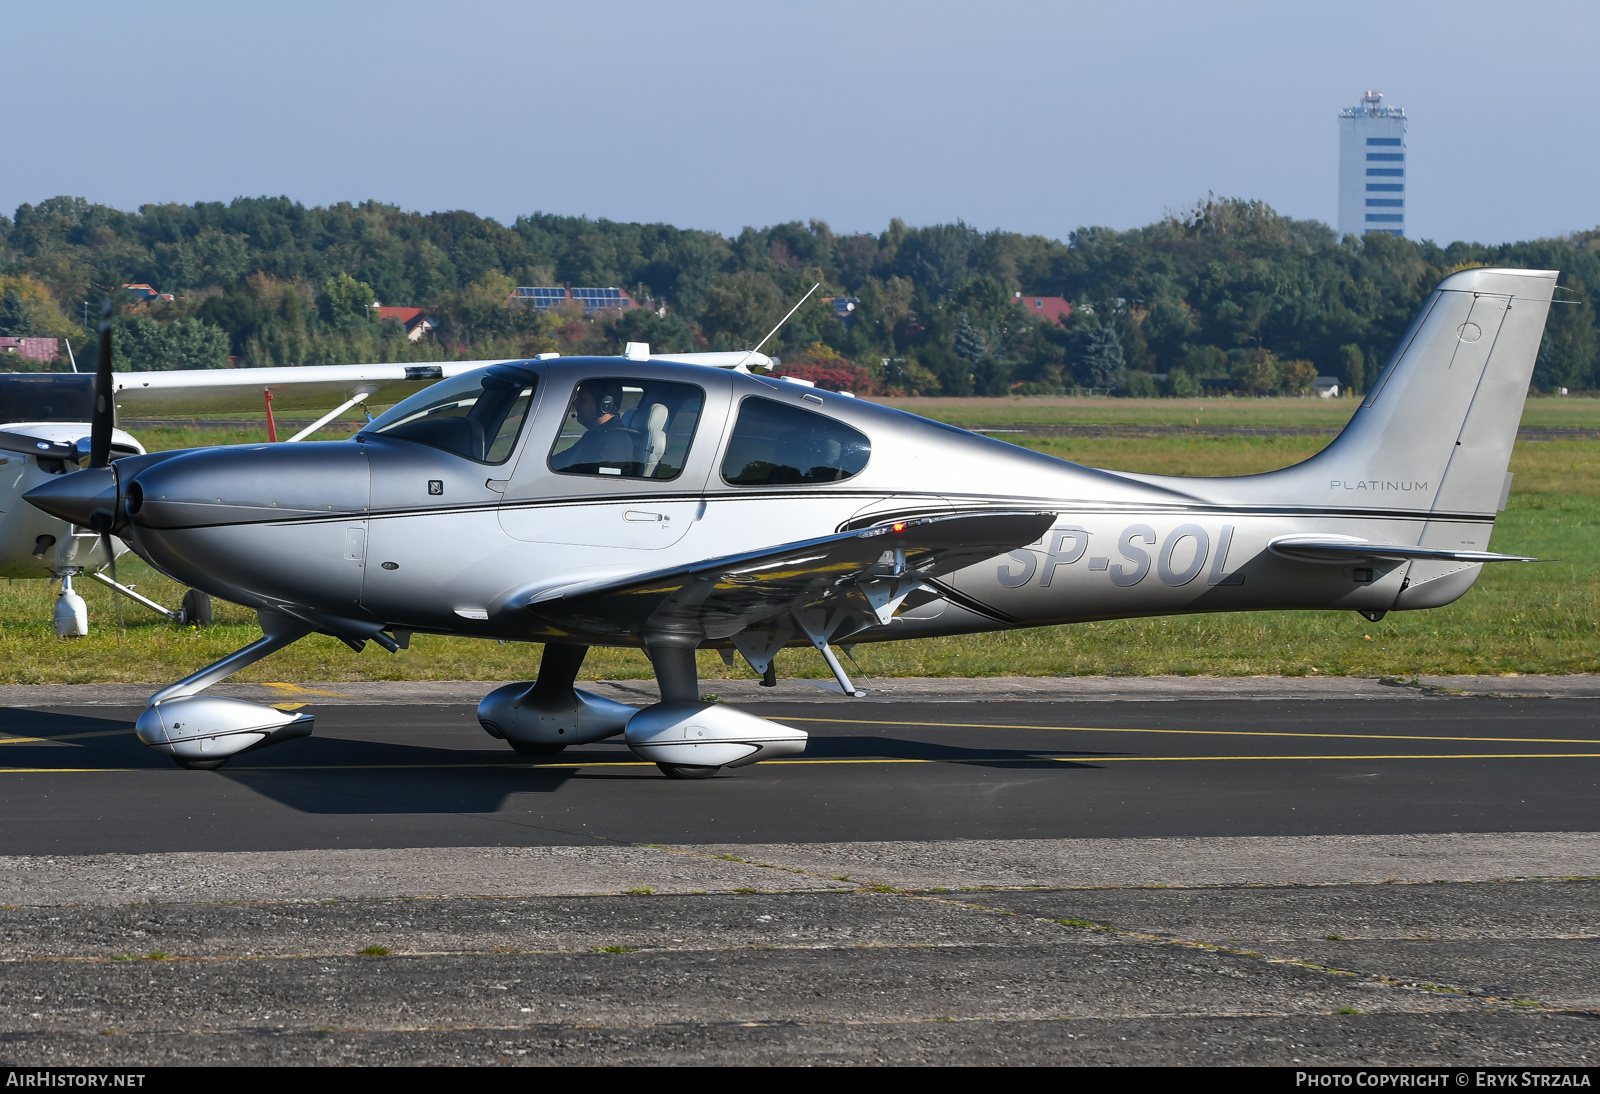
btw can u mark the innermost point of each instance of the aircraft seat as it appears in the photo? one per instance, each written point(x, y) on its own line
point(654, 429)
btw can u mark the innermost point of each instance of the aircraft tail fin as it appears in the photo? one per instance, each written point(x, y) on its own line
point(1435, 430)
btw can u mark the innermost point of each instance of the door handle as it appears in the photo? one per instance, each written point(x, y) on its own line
point(640, 516)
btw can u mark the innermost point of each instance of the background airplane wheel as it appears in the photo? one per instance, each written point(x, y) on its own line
point(529, 748)
point(687, 771)
point(199, 765)
point(196, 608)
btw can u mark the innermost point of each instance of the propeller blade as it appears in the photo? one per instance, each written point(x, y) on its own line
point(37, 446)
point(104, 411)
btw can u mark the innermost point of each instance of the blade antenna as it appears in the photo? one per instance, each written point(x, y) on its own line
point(743, 361)
point(100, 424)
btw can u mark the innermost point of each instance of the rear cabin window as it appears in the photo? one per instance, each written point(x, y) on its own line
point(775, 444)
point(631, 429)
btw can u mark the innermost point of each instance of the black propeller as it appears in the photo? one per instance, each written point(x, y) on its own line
point(100, 425)
point(104, 409)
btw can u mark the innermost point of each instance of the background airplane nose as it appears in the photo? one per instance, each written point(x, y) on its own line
point(78, 497)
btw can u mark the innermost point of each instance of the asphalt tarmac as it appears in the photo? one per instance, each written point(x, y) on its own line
point(76, 782)
point(1412, 880)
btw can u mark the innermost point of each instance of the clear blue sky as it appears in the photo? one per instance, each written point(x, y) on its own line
point(1031, 117)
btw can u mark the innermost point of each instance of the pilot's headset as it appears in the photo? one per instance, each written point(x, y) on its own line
point(609, 400)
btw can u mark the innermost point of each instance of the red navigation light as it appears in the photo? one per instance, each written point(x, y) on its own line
point(899, 526)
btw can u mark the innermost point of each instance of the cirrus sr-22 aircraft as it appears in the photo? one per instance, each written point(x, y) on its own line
point(631, 501)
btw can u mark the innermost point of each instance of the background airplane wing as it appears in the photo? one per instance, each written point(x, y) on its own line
point(188, 393)
point(855, 579)
point(318, 388)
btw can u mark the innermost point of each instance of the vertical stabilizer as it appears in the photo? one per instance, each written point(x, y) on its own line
point(1435, 432)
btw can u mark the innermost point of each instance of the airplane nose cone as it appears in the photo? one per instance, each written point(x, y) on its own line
point(78, 497)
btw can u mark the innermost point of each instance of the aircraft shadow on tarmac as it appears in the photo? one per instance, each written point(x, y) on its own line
point(334, 775)
point(870, 746)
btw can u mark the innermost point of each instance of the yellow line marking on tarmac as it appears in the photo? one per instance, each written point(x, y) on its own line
point(63, 737)
point(296, 689)
point(1215, 732)
point(816, 763)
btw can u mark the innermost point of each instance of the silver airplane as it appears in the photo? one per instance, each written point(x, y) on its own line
point(643, 503)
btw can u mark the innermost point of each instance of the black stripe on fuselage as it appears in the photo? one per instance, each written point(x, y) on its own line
point(949, 503)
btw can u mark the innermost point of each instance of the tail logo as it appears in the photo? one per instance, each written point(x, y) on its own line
point(1378, 485)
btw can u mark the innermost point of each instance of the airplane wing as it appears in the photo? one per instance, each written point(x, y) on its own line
point(854, 579)
point(1335, 550)
point(298, 388)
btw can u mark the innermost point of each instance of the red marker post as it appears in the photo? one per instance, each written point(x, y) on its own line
point(272, 426)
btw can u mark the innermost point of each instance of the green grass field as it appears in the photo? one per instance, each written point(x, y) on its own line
point(1545, 413)
point(1540, 618)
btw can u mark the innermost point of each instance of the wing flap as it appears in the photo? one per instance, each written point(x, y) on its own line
point(864, 572)
point(1340, 550)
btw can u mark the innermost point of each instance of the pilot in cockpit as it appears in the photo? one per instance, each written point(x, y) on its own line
point(606, 442)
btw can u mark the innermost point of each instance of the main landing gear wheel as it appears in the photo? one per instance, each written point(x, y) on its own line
point(199, 765)
point(531, 748)
point(197, 608)
point(687, 771)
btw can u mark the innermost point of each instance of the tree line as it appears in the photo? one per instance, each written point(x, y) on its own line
point(1225, 295)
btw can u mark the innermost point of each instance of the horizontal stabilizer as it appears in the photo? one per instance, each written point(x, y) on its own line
point(1336, 550)
point(861, 571)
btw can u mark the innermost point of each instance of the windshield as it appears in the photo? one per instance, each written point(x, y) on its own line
point(477, 415)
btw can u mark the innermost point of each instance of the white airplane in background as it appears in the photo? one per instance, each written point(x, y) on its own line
point(44, 433)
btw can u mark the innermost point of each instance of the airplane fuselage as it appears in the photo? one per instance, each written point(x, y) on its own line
point(389, 532)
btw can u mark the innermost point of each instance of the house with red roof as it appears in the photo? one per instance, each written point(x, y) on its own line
point(1046, 309)
point(416, 323)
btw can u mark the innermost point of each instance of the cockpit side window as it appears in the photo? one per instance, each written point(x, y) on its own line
point(478, 415)
point(775, 444)
point(630, 428)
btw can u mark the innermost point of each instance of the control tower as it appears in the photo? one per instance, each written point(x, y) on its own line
point(1372, 168)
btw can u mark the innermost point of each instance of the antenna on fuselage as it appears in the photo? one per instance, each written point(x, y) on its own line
point(756, 349)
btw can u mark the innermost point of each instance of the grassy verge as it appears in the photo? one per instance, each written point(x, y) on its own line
point(1306, 413)
point(1539, 618)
